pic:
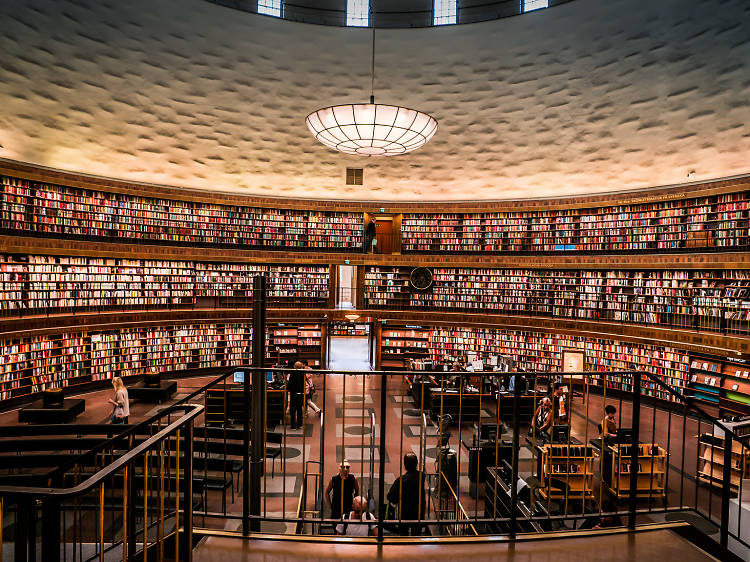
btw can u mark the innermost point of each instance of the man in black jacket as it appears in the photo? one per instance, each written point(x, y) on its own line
point(295, 386)
point(408, 494)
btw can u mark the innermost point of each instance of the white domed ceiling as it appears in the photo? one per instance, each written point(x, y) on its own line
point(586, 97)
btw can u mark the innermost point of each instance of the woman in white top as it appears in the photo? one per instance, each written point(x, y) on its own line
point(121, 402)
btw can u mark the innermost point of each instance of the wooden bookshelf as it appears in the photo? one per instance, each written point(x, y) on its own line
point(720, 221)
point(56, 210)
point(567, 466)
point(290, 343)
point(401, 346)
point(55, 284)
point(652, 466)
point(711, 459)
point(538, 352)
point(30, 365)
point(712, 300)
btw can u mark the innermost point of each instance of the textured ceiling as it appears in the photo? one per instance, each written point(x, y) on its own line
point(586, 97)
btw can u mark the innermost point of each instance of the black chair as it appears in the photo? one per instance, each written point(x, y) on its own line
point(274, 452)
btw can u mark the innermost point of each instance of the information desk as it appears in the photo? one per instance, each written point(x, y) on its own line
point(37, 413)
point(227, 406)
point(616, 470)
point(153, 394)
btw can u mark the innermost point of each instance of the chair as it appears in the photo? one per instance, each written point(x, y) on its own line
point(274, 452)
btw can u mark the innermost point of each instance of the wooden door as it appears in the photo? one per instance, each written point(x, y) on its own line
point(384, 235)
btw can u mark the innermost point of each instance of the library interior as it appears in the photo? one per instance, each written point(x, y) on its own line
point(501, 312)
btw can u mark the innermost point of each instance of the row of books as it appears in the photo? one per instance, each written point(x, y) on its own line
point(55, 209)
point(539, 351)
point(654, 297)
point(32, 364)
point(659, 225)
point(48, 282)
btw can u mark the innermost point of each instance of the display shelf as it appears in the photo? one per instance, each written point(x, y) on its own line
point(352, 330)
point(72, 212)
point(721, 383)
point(711, 458)
point(567, 467)
point(707, 300)
point(652, 465)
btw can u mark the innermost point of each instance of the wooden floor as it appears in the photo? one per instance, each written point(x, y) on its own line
point(662, 545)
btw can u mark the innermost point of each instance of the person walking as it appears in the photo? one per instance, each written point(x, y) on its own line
point(120, 403)
point(295, 386)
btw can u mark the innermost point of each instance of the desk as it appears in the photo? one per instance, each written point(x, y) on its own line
point(420, 390)
point(37, 413)
point(153, 394)
point(482, 455)
point(453, 402)
point(228, 405)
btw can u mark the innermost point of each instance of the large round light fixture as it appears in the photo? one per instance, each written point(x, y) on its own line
point(371, 129)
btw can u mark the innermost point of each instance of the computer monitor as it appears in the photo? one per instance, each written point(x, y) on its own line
point(560, 433)
point(625, 435)
point(488, 432)
point(239, 376)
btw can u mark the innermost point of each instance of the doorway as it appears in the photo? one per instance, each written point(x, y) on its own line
point(346, 296)
point(349, 353)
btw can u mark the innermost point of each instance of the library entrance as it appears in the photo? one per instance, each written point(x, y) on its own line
point(350, 347)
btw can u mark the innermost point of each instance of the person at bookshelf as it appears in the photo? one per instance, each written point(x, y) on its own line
point(370, 240)
point(609, 424)
point(309, 389)
point(360, 514)
point(341, 489)
point(295, 386)
point(407, 496)
point(559, 404)
point(542, 420)
point(120, 403)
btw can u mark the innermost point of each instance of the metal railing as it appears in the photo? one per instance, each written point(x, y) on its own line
point(507, 480)
point(132, 495)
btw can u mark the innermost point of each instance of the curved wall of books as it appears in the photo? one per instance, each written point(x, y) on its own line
point(99, 277)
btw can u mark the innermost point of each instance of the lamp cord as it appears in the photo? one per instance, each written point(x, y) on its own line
point(372, 84)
